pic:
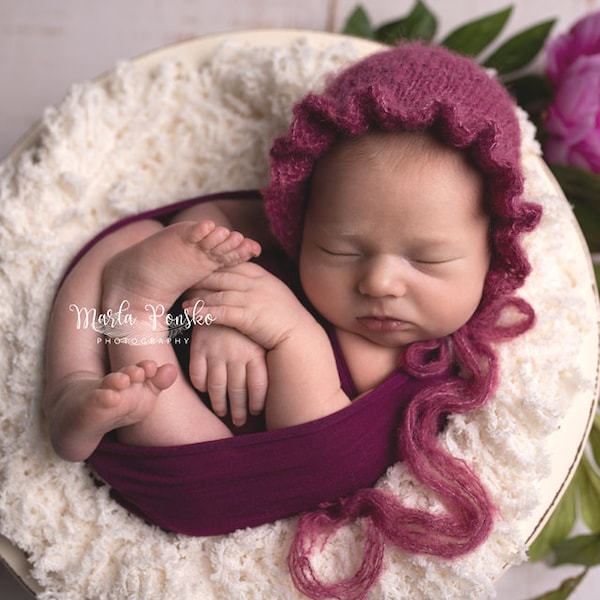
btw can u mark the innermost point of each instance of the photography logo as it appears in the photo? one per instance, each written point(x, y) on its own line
point(156, 325)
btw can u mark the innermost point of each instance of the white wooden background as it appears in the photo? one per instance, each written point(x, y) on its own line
point(46, 45)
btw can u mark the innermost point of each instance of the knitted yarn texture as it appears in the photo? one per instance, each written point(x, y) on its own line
point(410, 87)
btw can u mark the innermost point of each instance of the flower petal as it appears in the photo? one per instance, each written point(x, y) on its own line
point(574, 110)
point(583, 39)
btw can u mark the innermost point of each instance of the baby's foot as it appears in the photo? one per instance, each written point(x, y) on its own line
point(127, 396)
point(153, 273)
point(93, 407)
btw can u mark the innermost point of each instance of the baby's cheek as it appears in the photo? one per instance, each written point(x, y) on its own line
point(454, 312)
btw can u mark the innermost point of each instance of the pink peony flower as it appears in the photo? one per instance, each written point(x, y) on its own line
point(573, 119)
point(583, 39)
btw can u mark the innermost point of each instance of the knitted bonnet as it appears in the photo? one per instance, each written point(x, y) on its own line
point(409, 87)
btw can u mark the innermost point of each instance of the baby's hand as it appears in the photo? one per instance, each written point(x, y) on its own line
point(231, 368)
point(255, 302)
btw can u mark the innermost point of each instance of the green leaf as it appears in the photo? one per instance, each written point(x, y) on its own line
point(472, 38)
point(597, 273)
point(518, 51)
point(558, 526)
point(359, 24)
point(532, 92)
point(419, 24)
point(581, 550)
point(589, 495)
point(566, 588)
point(582, 188)
point(595, 432)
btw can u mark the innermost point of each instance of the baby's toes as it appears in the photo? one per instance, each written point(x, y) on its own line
point(249, 249)
point(106, 399)
point(135, 373)
point(149, 368)
point(206, 235)
point(117, 381)
point(163, 376)
point(235, 249)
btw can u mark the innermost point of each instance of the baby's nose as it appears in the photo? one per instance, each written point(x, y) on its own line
point(383, 276)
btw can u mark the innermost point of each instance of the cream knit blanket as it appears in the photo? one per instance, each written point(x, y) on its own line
point(141, 139)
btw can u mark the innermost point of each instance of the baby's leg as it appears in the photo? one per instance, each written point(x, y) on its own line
point(147, 279)
point(80, 400)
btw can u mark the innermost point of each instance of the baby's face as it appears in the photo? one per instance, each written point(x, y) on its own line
point(395, 245)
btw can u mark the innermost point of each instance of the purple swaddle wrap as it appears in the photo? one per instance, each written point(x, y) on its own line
point(257, 476)
point(213, 488)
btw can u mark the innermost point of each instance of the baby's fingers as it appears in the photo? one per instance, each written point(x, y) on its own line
point(237, 392)
point(220, 308)
point(242, 277)
point(216, 386)
point(199, 372)
point(258, 383)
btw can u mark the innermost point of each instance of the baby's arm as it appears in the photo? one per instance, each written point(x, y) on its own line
point(303, 381)
point(237, 364)
point(232, 368)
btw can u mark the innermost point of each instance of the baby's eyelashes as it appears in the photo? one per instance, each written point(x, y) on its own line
point(338, 252)
point(417, 259)
point(434, 261)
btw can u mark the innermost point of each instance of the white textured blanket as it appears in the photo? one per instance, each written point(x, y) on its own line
point(142, 139)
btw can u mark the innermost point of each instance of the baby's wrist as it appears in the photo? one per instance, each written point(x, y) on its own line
point(304, 333)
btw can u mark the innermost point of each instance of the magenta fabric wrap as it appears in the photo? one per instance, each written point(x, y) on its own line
point(216, 487)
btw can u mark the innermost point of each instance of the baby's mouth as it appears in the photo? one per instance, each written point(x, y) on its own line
point(383, 324)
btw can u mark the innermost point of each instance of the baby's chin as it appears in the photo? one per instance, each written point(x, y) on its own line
point(378, 338)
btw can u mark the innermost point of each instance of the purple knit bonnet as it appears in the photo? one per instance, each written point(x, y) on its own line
point(411, 87)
